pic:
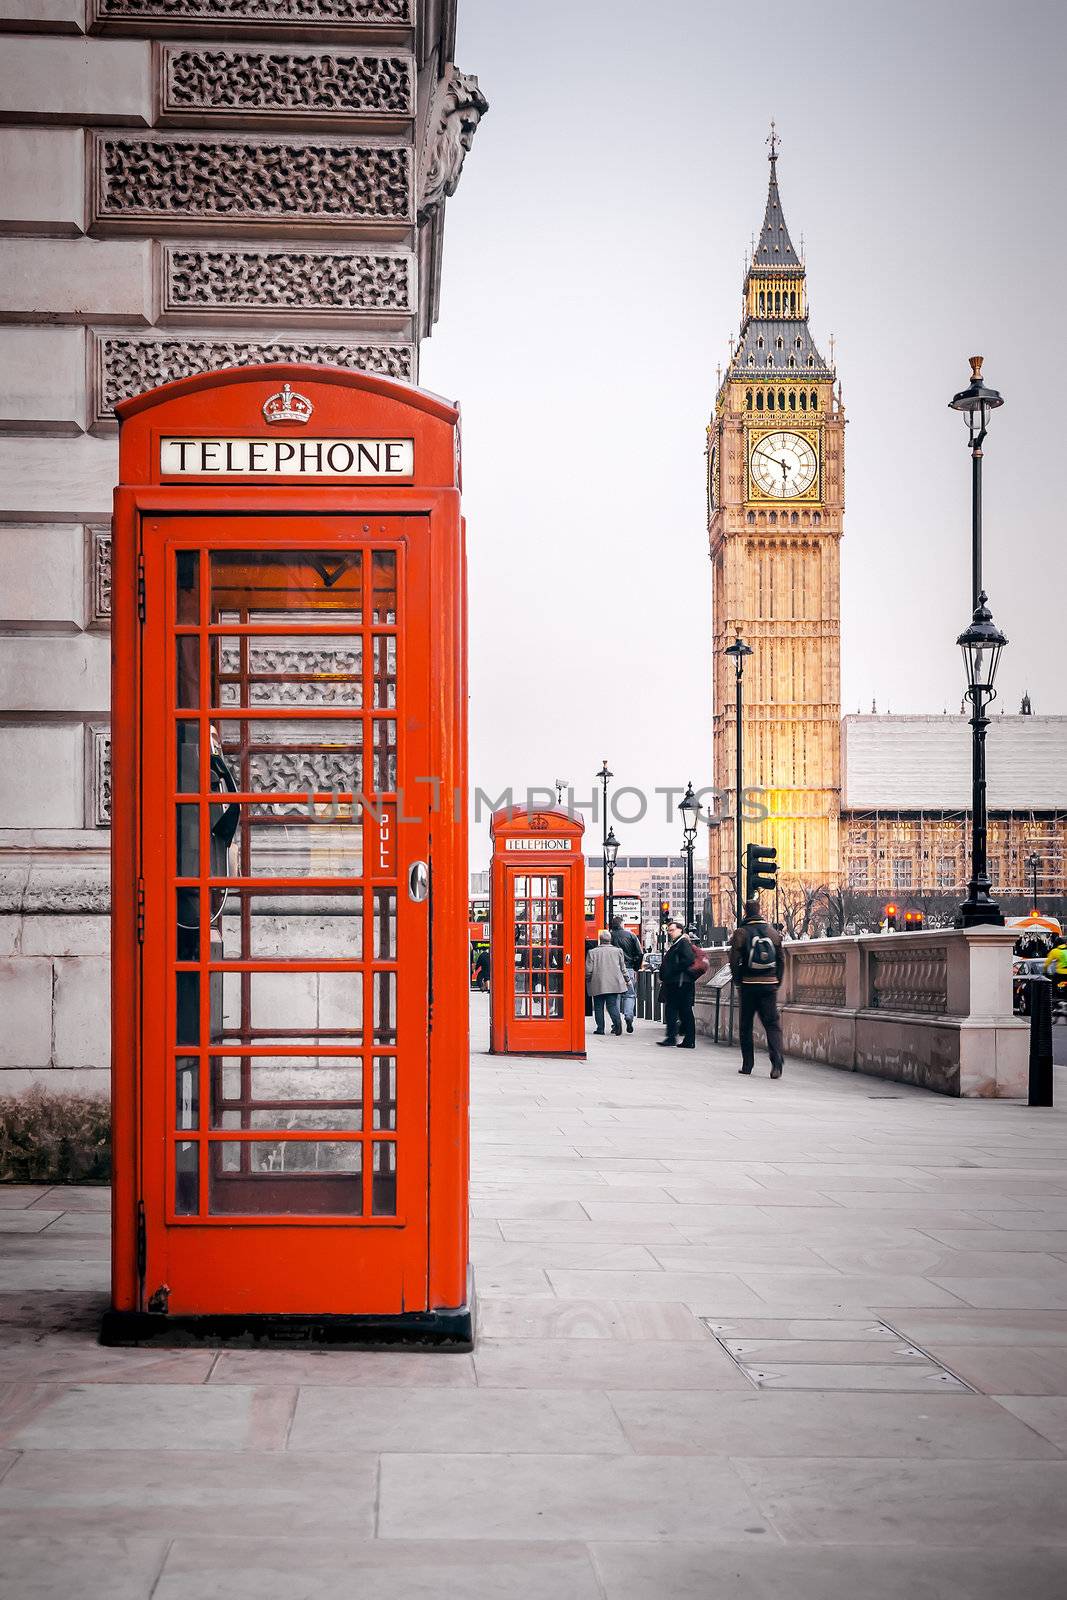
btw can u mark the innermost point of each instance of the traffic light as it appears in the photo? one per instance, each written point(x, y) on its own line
point(891, 919)
point(761, 869)
point(664, 912)
point(917, 922)
point(909, 921)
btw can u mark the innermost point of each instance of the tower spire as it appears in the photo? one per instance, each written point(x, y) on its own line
point(775, 248)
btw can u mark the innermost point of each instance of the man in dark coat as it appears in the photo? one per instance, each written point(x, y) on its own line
point(678, 987)
point(757, 963)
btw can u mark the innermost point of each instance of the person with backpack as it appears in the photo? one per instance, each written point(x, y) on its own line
point(633, 960)
point(678, 986)
point(757, 964)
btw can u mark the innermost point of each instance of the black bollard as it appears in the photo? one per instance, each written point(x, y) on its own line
point(1040, 1042)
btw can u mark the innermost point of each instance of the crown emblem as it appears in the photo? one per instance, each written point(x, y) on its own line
point(287, 406)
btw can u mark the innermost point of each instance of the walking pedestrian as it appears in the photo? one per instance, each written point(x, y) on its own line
point(678, 986)
point(633, 958)
point(605, 976)
point(482, 968)
point(757, 964)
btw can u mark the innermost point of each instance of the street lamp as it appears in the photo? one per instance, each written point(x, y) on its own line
point(976, 402)
point(611, 855)
point(738, 651)
point(689, 806)
point(981, 644)
point(604, 775)
point(1033, 863)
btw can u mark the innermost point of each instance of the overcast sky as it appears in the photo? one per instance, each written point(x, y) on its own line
point(592, 278)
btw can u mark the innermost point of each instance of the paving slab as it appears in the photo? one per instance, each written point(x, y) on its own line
point(383, 1569)
point(494, 1421)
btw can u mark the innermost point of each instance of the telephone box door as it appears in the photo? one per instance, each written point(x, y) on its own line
point(285, 919)
point(541, 998)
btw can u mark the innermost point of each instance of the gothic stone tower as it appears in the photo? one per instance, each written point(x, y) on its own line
point(775, 509)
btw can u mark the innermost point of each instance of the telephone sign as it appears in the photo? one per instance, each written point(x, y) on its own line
point(290, 1134)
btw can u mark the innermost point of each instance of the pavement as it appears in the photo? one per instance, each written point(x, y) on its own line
point(803, 1339)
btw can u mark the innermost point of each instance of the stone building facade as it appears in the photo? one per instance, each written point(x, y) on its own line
point(876, 805)
point(184, 185)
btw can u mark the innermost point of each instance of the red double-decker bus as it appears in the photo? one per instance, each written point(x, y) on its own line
point(627, 906)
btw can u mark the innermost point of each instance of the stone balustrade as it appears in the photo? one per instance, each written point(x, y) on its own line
point(932, 1009)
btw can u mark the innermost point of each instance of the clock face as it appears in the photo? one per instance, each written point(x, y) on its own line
point(783, 465)
point(713, 477)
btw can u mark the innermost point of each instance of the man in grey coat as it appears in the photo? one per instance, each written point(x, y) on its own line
point(606, 980)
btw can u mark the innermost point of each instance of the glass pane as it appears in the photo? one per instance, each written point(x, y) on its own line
point(291, 671)
point(187, 1021)
point(385, 1008)
point(187, 609)
point(292, 1092)
point(325, 848)
point(187, 863)
point(187, 654)
point(385, 1092)
point(287, 927)
point(187, 917)
point(289, 1177)
point(186, 1178)
point(292, 1005)
point(385, 670)
point(188, 750)
point(295, 756)
point(385, 924)
point(384, 584)
point(383, 1188)
point(187, 1112)
point(275, 585)
point(384, 755)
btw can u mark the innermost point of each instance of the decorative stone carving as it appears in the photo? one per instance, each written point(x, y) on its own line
point(316, 83)
point(296, 675)
point(125, 365)
point(188, 179)
point(456, 109)
point(314, 772)
point(819, 979)
point(910, 980)
point(199, 14)
point(305, 281)
point(98, 775)
point(99, 571)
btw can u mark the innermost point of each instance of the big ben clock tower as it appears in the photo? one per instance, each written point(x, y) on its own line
point(775, 510)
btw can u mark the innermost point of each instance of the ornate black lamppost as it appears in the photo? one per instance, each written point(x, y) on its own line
point(738, 651)
point(981, 644)
point(611, 855)
point(689, 806)
point(1033, 863)
point(604, 775)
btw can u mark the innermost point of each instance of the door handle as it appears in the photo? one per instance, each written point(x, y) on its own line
point(419, 880)
point(567, 959)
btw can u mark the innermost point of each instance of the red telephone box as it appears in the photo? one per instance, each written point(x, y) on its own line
point(537, 978)
point(289, 862)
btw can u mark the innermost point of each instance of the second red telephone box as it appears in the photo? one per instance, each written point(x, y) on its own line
point(537, 987)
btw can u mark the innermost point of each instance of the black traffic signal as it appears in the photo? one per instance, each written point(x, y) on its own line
point(664, 911)
point(761, 869)
point(891, 919)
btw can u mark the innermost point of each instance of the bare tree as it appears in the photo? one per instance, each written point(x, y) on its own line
point(802, 907)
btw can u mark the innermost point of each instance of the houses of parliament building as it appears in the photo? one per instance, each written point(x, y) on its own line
point(878, 804)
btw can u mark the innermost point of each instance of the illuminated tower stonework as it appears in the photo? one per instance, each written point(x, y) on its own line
point(775, 513)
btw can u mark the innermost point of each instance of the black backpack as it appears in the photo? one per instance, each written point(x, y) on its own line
point(761, 960)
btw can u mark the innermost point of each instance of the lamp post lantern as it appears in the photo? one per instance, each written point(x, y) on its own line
point(737, 652)
point(611, 855)
point(689, 806)
point(981, 645)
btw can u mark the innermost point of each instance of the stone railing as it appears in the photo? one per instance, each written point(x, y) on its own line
point(933, 1009)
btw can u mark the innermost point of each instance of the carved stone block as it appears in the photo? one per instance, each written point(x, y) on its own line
point(98, 775)
point(205, 86)
point(309, 284)
point(201, 17)
point(128, 364)
point(186, 182)
point(98, 572)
